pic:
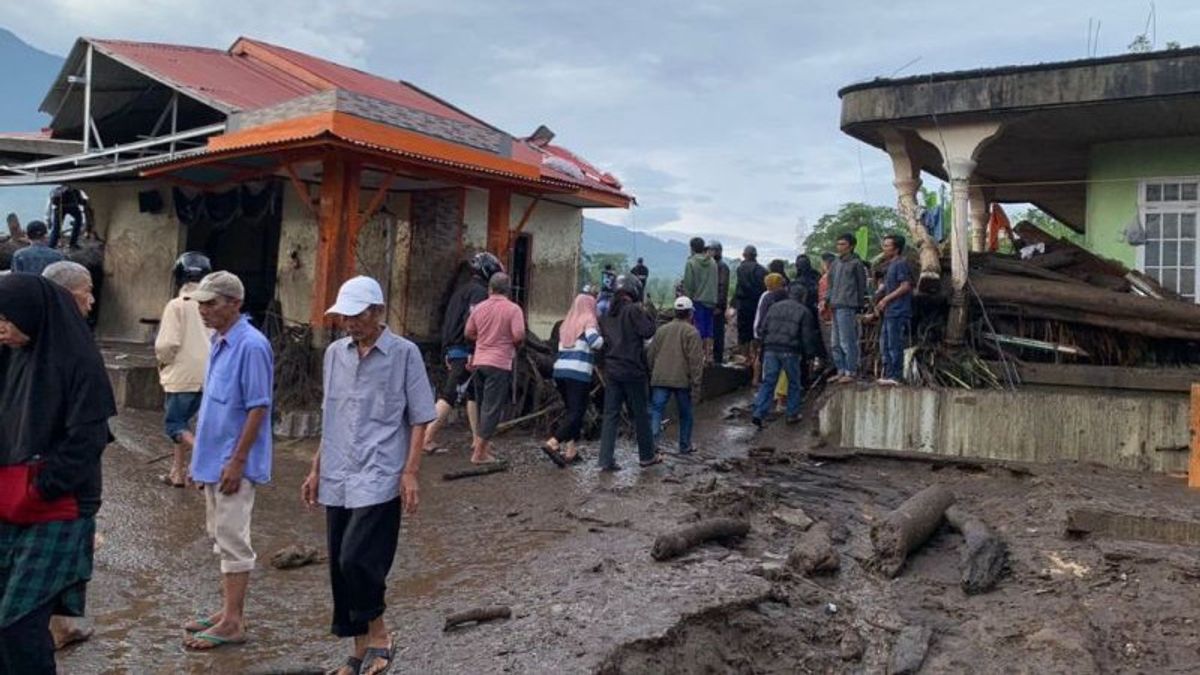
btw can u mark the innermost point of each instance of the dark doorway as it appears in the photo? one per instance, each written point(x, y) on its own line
point(522, 255)
point(239, 231)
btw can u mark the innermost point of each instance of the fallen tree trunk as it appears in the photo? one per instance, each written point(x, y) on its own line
point(1135, 326)
point(478, 615)
point(481, 470)
point(984, 554)
point(904, 530)
point(675, 544)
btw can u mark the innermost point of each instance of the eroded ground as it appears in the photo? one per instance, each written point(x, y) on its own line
point(568, 550)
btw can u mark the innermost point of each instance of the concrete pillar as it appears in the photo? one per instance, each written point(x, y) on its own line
point(959, 146)
point(979, 217)
point(908, 183)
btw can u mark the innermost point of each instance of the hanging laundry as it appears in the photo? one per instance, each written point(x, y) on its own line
point(997, 223)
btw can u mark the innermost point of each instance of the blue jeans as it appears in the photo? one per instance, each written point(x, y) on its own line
point(773, 363)
point(659, 396)
point(893, 338)
point(845, 340)
point(180, 409)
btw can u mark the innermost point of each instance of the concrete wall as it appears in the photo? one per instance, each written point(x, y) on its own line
point(140, 250)
point(1120, 430)
point(557, 234)
point(1112, 202)
point(436, 253)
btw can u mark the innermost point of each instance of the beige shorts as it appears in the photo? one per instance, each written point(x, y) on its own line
point(227, 518)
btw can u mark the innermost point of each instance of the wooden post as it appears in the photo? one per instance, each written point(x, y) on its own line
point(1194, 458)
point(337, 244)
point(499, 217)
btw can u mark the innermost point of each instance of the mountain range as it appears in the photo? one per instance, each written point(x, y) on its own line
point(28, 74)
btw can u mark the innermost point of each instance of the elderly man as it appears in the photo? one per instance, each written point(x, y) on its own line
point(233, 448)
point(378, 402)
point(76, 279)
point(35, 257)
point(497, 325)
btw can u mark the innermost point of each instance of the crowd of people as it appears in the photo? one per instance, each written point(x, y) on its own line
point(380, 412)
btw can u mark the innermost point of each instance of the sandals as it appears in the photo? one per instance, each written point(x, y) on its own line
point(554, 456)
point(373, 653)
point(198, 625)
point(353, 663)
point(165, 479)
point(658, 459)
point(213, 642)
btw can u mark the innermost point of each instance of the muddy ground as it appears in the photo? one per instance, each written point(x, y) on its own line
point(568, 550)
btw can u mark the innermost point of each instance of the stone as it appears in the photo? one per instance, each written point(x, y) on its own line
point(851, 647)
point(909, 651)
point(792, 516)
point(814, 553)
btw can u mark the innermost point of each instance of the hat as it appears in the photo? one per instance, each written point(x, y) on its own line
point(356, 295)
point(218, 283)
point(683, 304)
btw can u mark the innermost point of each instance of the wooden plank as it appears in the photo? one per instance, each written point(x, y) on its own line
point(1128, 526)
point(1194, 457)
point(1175, 380)
point(499, 215)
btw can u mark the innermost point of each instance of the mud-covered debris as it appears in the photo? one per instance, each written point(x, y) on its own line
point(904, 530)
point(296, 555)
point(795, 517)
point(477, 616)
point(481, 470)
point(814, 553)
point(910, 649)
point(984, 556)
point(675, 544)
point(852, 646)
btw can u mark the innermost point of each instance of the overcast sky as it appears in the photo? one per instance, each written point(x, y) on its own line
point(721, 116)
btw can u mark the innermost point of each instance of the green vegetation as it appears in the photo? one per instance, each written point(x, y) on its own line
point(879, 222)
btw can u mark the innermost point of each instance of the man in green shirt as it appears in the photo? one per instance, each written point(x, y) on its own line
point(700, 284)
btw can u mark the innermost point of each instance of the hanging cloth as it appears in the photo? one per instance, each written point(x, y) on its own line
point(997, 223)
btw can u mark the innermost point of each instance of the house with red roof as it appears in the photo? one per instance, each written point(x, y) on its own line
point(297, 173)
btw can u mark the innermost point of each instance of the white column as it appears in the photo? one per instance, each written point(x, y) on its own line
point(87, 99)
point(907, 183)
point(959, 145)
point(979, 217)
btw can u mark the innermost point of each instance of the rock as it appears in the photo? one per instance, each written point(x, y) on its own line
point(296, 555)
point(792, 516)
point(851, 647)
point(814, 553)
point(909, 651)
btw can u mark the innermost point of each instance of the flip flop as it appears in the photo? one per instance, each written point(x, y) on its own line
point(214, 640)
point(658, 459)
point(555, 457)
point(377, 653)
point(201, 621)
point(353, 663)
point(435, 450)
point(165, 479)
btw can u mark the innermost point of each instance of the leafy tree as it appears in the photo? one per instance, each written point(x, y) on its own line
point(880, 221)
point(1140, 44)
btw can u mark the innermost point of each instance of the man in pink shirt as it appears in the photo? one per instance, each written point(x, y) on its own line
point(497, 326)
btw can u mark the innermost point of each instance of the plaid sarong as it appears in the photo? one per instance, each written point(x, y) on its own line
point(43, 563)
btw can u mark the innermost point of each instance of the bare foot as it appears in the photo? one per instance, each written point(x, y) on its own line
point(68, 630)
point(484, 459)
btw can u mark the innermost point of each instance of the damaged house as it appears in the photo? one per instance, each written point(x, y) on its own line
point(297, 173)
point(1102, 335)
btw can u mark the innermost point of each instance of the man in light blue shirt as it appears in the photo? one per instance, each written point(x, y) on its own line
point(377, 404)
point(35, 257)
point(232, 453)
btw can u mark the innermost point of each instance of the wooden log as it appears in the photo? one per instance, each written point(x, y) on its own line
point(984, 555)
point(994, 263)
point(478, 615)
point(1153, 329)
point(1057, 295)
point(480, 470)
point(675, 544)
point(904, 530)
point(1056, 259)
point(814, 552)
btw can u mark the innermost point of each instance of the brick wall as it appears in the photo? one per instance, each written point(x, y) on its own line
point(437, 220)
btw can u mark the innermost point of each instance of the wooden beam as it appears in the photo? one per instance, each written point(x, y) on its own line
point(499, 217)
point(1175, 380)
point(1194, 456)
point(379, 197)
point(525, 216)
point(337, 243)
point(301, 190)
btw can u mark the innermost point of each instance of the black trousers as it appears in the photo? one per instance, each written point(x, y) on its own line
point(493, 389)
point(575, 397)
point(362, 545)
point(632, 395)
point(719, 335)
point(26, 646)
point(745, 320)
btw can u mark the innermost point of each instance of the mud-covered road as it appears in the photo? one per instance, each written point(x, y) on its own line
point(568, 550)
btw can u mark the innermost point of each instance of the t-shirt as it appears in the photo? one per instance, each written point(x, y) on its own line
point(898, 273)
point(497, 325)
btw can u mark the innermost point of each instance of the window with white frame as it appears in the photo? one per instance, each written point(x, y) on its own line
point(1169, 209)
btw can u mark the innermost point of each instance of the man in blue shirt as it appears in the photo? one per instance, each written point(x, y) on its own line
point(38, 255)
point(894, 304)
point(377, 404)
point(232, 453)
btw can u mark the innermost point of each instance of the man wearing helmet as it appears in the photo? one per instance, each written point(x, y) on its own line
point(626, 327)
point(182, 349)
point(458, 349)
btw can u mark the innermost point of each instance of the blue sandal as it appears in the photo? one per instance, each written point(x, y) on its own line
point(373, 653)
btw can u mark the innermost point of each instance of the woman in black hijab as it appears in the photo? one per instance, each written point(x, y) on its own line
point(55, 402)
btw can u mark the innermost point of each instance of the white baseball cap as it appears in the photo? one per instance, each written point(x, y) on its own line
point(356, 295)
point(683, 304)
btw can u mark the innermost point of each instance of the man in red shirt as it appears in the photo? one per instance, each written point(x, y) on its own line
point(497, 325)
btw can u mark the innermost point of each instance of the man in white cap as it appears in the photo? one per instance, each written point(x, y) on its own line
point(676, 356)
point(378, 402)
point(232, 455)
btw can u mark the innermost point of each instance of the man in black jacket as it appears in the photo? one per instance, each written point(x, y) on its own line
point(751, 284)
point(716, 250)
point(789, 336)
point(625, 328)
point(458, 349)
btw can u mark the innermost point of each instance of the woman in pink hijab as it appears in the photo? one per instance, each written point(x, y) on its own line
point(579, 339)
